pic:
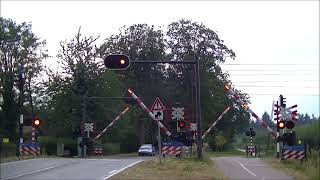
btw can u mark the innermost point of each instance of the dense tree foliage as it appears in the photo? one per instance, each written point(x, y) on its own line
point(21, 51)
point(63, 97)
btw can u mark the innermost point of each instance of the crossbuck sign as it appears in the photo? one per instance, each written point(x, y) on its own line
point(178, 113)
point(88, 127)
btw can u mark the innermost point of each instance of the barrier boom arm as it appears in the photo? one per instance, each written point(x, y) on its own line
point(215, 122)
point(112, 122)
point(147, 110)
point(246, 107)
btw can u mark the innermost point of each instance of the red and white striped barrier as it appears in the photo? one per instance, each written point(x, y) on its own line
point(29, 149)
point(214, 124)
point(171, 150)
point(147, 110)
point(292, 154)
point(97, 151)
point(246, 107)
point(112, 122)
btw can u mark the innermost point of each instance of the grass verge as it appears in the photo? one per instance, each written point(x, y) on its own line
point(173, 168)
point(232, 152)
point(308, 170)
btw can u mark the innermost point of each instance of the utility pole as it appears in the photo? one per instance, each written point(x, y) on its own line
point(21, 83)
point(278, 134)
point(84, 120)
point(159, 143)
point(198, 109)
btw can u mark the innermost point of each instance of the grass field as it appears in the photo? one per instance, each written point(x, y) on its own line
point(173, 168)
point(309, 169)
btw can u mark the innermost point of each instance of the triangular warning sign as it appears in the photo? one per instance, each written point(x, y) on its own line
point(157, 105)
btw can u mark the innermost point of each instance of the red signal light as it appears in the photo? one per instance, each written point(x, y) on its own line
point(36, 122)
point(281, 124)
point(181, 124)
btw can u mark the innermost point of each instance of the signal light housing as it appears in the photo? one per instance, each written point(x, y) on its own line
point(289, 138)
point(289, 124)
point(251, 132)
point(117, 61)
point(282, 101)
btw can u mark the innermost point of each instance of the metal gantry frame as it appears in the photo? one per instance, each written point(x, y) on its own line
point(197, 102)
point(197, 96)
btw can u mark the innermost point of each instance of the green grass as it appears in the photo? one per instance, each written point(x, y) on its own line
point(173, 168)
point(309, 169)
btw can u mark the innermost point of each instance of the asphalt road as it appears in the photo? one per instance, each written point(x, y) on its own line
point(248, 168)
point(66, 168)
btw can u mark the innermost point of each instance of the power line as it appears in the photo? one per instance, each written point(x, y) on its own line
point(273, 81)
point(277, 86)
point(271, 64)
point(274, 74)
point(257, 94)
point(282, 70)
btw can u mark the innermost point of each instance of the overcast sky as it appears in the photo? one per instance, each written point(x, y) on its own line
point(276, 43)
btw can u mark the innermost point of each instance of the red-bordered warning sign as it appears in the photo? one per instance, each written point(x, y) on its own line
point(157, 105)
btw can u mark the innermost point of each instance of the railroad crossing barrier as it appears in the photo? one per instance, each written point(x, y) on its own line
point(293, 152)
point(171, 148)
point(252, 150)
point(97, 150)
point(29, 149)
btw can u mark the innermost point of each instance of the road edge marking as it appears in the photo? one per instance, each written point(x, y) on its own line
point(112, 171)
point(107, 177)
point(245, 168)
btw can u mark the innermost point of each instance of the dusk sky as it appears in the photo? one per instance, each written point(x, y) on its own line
point(276, 43)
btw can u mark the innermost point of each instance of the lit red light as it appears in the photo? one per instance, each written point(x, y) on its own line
point(37, 122)
point(281, 125)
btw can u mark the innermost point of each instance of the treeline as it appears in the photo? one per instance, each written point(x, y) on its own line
point(57, 98)
point(306, 128)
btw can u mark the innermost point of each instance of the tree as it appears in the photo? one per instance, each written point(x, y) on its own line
point(21, 51)
point(140, 42)
point(187, 40)
point(83, 75)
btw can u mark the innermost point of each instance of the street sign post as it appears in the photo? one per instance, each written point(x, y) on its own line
point(157, 109)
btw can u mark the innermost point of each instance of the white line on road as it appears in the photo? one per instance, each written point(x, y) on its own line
point(112, 171)
point(122, 169)
point(242, 150)
point(245, 168)
point(12, 177)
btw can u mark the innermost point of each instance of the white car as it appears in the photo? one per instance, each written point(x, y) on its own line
point(147, 149)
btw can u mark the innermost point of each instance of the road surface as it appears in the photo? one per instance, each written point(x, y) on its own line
point(248, 168)
point(66, 168)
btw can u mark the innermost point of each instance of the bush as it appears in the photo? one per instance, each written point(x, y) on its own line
point(111, 148)
point(70, 144)
point(48, 145)
point(8, 150)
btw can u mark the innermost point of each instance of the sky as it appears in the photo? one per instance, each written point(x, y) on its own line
point(276, 42)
